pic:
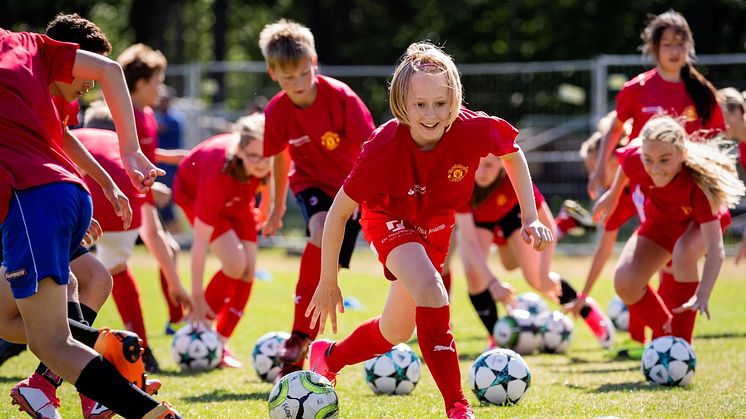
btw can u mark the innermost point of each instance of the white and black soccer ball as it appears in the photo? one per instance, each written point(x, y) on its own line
point(669, 361)
point(265, 355)
point(556, 331)
point(531, 302)
point(197, 348)
point(500, 377)
point(303, 395)
point(395, 372)
point(518, 331)
point(619, 314)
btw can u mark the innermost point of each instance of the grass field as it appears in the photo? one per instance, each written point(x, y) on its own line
point(581, 384)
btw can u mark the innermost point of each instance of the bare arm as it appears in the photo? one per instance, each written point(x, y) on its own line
point(608, 142)
point(281, 167)
point(609, 200)
point(713, 262)
point(600, 255)
point(172, 157)
point(200, 242)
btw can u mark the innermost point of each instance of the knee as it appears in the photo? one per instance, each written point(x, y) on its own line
point(398, 334)
point(431, 294)
point(625, 285)
point(235, 268)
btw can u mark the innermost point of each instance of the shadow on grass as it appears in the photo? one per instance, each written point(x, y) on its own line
point(12, 379)
point(595, 370)
point(223, 396)
point(728, 335)
point(627, 387)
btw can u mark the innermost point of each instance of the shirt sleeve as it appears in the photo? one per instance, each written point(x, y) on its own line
point(502, 137)
point(702, 208)
point(59, 57)
point(273, 142)
point(358, 119)
point(365, 181)
point(625, 101)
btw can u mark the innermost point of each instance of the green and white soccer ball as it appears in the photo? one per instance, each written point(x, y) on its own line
point(619, 314)
point(303, 395)
point(518, 331)
point(556, 331)
point(395, 372)
point(265, 355)
point(669, 361)
point(500, 377)
point(531, 302)
point(196, 348)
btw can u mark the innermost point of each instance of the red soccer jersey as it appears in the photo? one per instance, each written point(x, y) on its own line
point(394, 177)
point(742, 153)
point(68, 111)
point(324, 139)
point(209, 193)
point(30, 128)
point(500, 202)
point(648, 94)
point(104, 147)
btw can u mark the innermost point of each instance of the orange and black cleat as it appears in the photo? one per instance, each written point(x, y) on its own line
point(124, 350)
point(163, 411)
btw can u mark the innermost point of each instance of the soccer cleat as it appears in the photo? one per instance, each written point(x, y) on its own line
point(229, 360)
point(285, 370)
point(151, 364)
point(95, 410)
point(294, 349)
point(172, 327)
point(163, 411)
point(599, 324)
point(9, 350)
point(318, 350)
point(491, 344)
point(578, 213)
point(460, 411)
point(37, 397)
point(124, 350)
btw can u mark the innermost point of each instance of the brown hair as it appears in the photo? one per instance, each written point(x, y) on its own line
point(248, 128)
point(286, 43)
point(73, 28)
point(140, 62)
point(701, 91)
point(481, 193)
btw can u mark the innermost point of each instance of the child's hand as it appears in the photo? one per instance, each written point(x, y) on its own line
point(602, 208)
point(695, 303)
point(142, 172)
point(502, 292)
point(201, 312)
point(325, 302)
point(161, 194)
point(121, 204)
point(273, 224)
point(541, 235)
point(575, 306)
point(93, 234)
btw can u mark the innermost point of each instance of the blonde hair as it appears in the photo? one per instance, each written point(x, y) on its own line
point(427, 58)
point(713, 168)
point(248, 128)
point(140, 62)
point(603, 126)
point(285, 43)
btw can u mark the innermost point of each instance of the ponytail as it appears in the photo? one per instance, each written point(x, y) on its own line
point(700, 90)
point(714, 170)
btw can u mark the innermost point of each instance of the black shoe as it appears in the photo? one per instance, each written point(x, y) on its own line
point(9, 350)
point(151, 364)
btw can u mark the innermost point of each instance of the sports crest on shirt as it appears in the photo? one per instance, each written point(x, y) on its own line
point(457, 172)
point(330, 140)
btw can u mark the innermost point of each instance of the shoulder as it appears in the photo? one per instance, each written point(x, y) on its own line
point(335, 86)
point(383, 137)
point(275, 104)
point(468, 120)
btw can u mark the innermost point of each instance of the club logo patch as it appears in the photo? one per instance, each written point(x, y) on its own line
point(501, 199)
point(330, 140)
point(689, 113)
point(686, 210)
point(20, 273)
point(457, 172)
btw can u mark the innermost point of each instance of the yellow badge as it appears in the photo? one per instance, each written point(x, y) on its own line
point(690, 113)
point(501, 199)
point(330, 140)
point(457, 172)
point(686, 210)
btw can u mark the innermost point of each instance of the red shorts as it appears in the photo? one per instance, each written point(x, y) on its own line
point(666, 234)
point(385, 233)
point(245, 227)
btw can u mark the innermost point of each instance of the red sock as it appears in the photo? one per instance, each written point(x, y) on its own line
point(308, 279)
point(674, 294)
point(636, 327)
point(175, 312)
point(564, 224)
point(127, 298)
point(439, 350)
point(651, 311)
point(218, 290)
point(447, 282)
point(364, 343)
point(232, 311)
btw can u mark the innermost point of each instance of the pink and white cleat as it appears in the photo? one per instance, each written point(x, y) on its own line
point(460, 411)
point(95, 410)
point(37, 397)
point(317, 353)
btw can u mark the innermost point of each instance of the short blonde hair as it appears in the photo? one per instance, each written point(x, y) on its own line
point(427, 58)
point(286, 43)
point(141, 62)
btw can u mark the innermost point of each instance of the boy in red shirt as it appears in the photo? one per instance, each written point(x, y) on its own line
point(318, 124)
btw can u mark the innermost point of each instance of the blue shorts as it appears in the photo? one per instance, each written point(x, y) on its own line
point(44, 227)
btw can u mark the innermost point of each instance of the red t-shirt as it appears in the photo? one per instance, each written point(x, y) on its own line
point(500, 202)
point(394, 177)
point(201, 186)
point(324, 139)
point(68, 111)
point(147, 135)
point(104, 147)
point(30, 128)
point(648, 94)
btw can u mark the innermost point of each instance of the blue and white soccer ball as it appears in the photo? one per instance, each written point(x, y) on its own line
point(265, 355)
point(303, 395)
point(395, 372)
point(556, 331)
point(619, 314)
point(531, 302)
point(500, 377)
point(669, 361)
point(196, 348)
point(518, 331)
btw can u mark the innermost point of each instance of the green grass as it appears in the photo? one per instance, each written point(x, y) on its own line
point(581, 384)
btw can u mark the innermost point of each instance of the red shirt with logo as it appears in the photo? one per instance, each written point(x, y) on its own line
point(324, 139)
point(648, 94)
point(30, 128)
point(104, 147)
point(500, 202)
point(395, 178)
point(202, 188)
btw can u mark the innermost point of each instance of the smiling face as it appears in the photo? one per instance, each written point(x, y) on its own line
point(673, 50)
point(297, 81)
point(662, 161)
point(254, 162)
point(72, 91)
point(428, 106)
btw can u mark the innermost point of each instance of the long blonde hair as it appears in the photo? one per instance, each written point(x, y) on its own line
point(710, 163)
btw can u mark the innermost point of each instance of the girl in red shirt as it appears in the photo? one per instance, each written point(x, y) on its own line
point(412, 175)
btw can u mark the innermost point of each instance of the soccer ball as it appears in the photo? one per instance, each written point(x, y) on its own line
point(303, 395)
point(264, 356)
point(669, 361)
point(395, 372)
point(196, 348)
point(556, 331)
point(618, 314)
point(499, 376)
point(531, 302)
point(518, 331)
